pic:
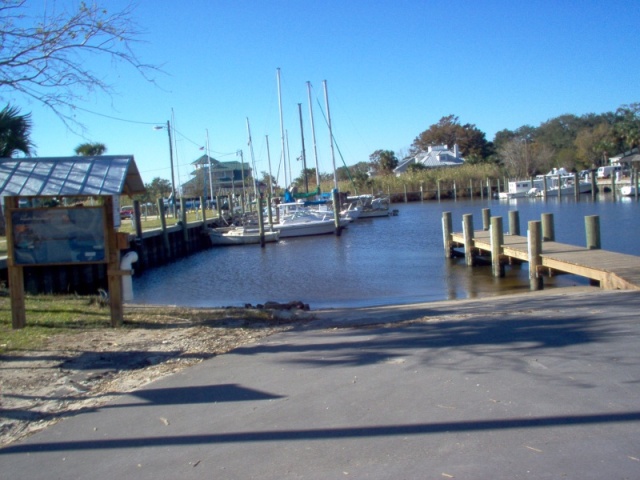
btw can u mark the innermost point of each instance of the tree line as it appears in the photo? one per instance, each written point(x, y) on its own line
point(570, 141)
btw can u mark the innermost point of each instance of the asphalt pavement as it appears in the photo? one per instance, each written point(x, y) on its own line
point(537, 386)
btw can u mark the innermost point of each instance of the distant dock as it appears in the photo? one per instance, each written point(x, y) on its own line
point(546, 257)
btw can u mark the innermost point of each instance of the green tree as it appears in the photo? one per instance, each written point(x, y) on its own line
point(383, 161)
point(44, 57)
point(159, 187)
point(269, 180)
point(594, 143)
point(90, 149)
point(15, 130)
point(448, 131)
point(627, 125)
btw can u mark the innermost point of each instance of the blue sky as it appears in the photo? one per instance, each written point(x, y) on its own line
point(393, 68)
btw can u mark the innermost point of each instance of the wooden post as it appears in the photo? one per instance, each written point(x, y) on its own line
point(486, 219)
point(203, 209)
point(559, 185)
point(16, 289)
point(421, 192)
point(497, 240)
point(481, 191)
point(544, 186)
point(269, 210)
point(218, 207)
point(548, 229)
point(163, 226)
point(576, 186)
point(594, 187)
point(447, 230)
point(467, 232)
point(183, 220)
point(15, 274)
point(613, 184)
point(404, 186)
point(260, 219)
point(136, 219)
point(114, 278)
point(514, 222)
point(534, 242)
point(438, 187)
point(488, 188)
point(470, 188)
point(336, 210)
point(592, 229)
point(635, 183)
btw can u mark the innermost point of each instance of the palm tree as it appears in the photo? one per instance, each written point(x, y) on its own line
point(90, 149)
point(14, 132)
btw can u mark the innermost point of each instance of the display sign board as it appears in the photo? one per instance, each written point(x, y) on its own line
point(58, 235)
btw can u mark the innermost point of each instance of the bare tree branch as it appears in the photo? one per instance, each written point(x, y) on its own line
point(44, 58)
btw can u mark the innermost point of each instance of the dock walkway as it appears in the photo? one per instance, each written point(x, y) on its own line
point(613, 271)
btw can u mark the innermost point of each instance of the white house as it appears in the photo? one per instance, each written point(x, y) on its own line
point(435, 156)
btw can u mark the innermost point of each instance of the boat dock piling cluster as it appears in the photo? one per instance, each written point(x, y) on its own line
point(609, 270)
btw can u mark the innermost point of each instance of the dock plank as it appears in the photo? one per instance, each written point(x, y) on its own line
point(613, 270)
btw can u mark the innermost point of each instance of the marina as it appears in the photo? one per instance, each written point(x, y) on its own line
point(381, 261)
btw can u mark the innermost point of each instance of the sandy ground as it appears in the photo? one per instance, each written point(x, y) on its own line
point(75, 372)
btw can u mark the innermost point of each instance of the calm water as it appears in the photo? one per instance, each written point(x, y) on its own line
point(381, 261)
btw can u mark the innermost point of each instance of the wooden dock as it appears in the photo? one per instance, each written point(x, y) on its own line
point(611, 270)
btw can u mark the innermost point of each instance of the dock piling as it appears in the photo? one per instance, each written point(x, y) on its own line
point(534, 244)
point(486, 218)
point(467, 232)
point(514, 222)
point(447, 230)
point(548, 228)
point(497, 240)
point(592, 230)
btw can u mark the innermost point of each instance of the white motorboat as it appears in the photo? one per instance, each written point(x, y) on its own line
point(297, 221)
point(521, 188)
point(370, 206)
point(240, 236)
point(558, 182)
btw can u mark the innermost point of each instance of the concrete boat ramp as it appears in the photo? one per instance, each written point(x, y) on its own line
point(540, 385)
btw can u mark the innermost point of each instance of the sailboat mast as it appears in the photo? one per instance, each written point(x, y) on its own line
point(253, 160)
point(333, 155)
point(210, 175)
point(304, 157)
point(313, 135)
point(269, 161)
point(284, 160)
point(244, 193)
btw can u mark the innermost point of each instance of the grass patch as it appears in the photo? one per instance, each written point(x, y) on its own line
point(49, 315)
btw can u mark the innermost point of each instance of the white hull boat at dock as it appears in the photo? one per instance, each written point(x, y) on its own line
point(558, 182)
point(240, 236)
point(298, 221)
point(370, 206)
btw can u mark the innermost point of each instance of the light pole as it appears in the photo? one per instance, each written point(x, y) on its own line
point(173, 182)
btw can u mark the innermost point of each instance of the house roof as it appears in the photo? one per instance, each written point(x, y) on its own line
point(436, 156)
point(70, 176)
